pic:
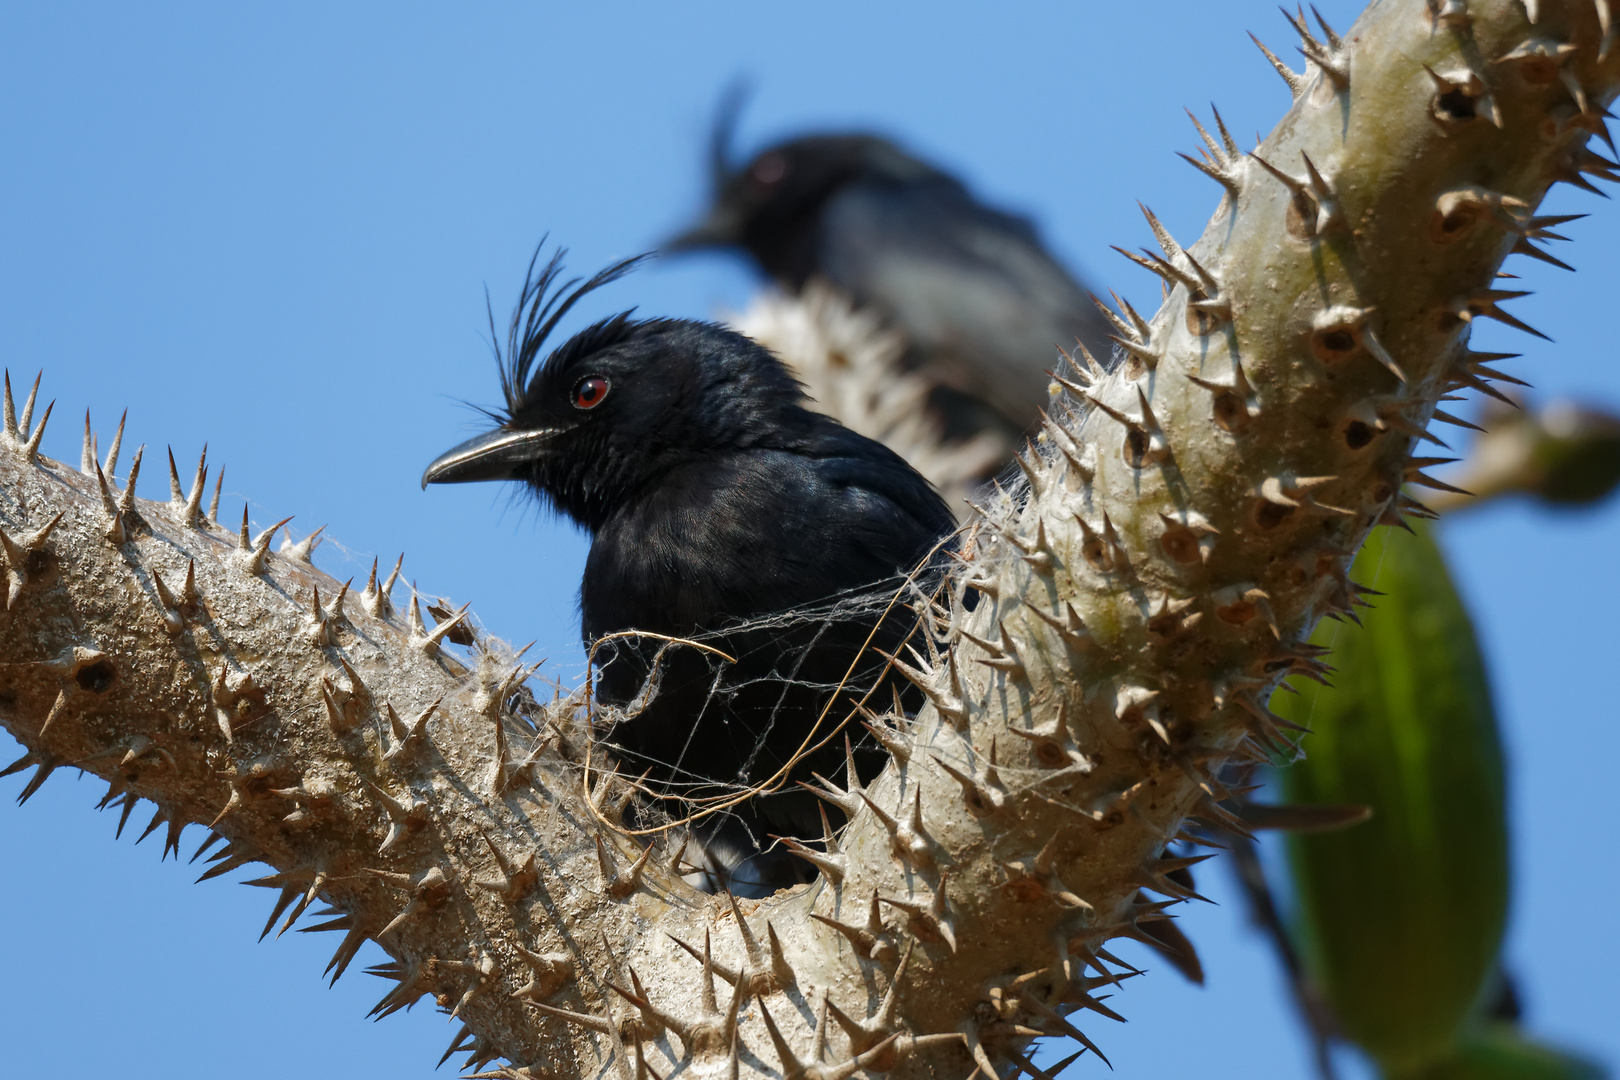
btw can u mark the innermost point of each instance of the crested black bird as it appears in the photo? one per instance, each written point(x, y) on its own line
point(723, 511)
point(979, 298)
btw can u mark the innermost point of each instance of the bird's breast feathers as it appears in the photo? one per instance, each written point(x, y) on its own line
point(758, 532)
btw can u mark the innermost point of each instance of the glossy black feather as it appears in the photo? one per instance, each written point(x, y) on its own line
point(716, 501)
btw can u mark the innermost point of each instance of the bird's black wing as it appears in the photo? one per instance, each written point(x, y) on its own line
point(787, 560)
point(972, 287)
point(760, 531)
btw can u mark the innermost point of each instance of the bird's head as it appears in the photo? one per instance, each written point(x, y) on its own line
point(619, 404)
point(773, 204)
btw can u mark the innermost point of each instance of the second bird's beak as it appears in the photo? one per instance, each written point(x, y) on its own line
point(494, 455)
point(719, 229)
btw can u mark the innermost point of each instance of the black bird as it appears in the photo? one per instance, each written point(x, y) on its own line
point(979, 298)
point(721, 509)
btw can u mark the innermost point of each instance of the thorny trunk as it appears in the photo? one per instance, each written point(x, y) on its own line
point(1185, 523)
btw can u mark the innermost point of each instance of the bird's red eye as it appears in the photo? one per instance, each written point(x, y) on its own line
point(589, 393)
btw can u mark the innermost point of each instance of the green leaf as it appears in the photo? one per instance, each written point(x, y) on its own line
point(1501, 1052)
point(1400, 918)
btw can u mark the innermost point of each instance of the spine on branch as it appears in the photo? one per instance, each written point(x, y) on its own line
point(1182, 525)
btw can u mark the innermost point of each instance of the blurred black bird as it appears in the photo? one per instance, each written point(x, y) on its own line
point(978, 297)
point(720, 509)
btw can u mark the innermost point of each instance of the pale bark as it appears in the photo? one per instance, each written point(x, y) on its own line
point(1138, 599)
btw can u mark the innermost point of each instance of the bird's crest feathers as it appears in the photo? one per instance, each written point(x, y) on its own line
point(723, 132)
point(540, 306)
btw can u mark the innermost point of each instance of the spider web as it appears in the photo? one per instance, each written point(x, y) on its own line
point(756, 707)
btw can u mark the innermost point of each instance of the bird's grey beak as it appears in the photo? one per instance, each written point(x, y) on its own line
point(719, 229)
point(494, 455)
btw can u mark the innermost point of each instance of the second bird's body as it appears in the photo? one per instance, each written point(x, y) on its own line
point(972, 287)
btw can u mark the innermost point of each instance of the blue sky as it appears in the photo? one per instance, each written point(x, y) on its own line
point(270, 227)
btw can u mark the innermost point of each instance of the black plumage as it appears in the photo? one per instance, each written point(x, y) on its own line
point(979, 298)
point(720, 509)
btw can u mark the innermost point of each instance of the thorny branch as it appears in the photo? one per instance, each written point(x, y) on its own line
point(1182, 525)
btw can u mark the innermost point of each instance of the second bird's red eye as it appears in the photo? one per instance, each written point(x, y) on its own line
point(589, 393)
